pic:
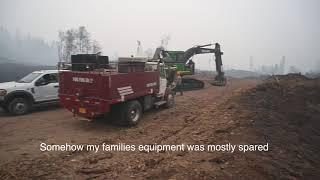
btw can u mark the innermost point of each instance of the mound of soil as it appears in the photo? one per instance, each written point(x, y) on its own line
point(286, 115)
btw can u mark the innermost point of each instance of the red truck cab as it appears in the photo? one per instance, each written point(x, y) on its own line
point(124, 90)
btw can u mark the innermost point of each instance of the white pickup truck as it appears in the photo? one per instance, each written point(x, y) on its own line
point(18, 97)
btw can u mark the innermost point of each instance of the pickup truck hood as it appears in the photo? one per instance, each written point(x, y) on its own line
point(12, 84)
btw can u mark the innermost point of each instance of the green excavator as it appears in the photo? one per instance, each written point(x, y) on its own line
point(181, 62)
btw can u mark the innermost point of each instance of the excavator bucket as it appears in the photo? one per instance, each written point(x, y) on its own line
point(219, 83)
point(219, 80)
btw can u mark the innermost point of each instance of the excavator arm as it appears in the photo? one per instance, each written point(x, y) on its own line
point(182, 61)
point(220, 80)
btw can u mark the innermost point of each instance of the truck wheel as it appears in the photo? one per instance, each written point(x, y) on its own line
point(170, 101)
point(19, 106)
point(132, 113)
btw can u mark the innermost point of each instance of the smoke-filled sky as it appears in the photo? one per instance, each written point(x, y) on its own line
point(263, 29)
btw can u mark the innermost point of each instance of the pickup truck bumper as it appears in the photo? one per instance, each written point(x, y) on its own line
point(87, 108)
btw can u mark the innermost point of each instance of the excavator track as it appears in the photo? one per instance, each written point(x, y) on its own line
point(189, 84)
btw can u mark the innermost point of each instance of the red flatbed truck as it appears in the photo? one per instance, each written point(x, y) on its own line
point(91, 90)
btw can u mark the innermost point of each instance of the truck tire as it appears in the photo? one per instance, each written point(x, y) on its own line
point(131, 113)
point(19, 106)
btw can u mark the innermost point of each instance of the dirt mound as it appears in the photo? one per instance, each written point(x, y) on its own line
point(287, 114)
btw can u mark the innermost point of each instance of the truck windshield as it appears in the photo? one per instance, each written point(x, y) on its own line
point(29, 78)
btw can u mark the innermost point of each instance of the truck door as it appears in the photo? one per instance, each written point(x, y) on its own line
point(46, 87)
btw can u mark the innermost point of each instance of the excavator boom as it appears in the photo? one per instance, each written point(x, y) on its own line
point(182, 61)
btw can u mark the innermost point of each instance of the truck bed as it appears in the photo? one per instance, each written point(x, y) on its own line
point(92, 93)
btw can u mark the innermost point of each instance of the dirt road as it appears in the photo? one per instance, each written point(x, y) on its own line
point(214, 115)
point(21, 135)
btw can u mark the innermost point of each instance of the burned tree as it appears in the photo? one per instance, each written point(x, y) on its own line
point(76, 41)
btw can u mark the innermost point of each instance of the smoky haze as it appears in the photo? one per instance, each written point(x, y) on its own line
point(265, 30)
